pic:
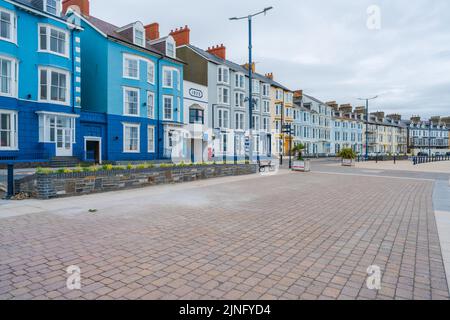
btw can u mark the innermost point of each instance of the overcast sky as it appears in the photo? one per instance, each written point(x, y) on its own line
point(322, 46)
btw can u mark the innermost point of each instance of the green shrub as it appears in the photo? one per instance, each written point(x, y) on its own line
point(107, 167)
point(347, 153)
point(141, 166)
point(118, 168)
point(64, 170)
point(77, 170)
point(129, 166)
point(40, 170)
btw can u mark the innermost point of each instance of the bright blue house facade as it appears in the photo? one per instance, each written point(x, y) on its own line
point(40, 81)
point(132, 91)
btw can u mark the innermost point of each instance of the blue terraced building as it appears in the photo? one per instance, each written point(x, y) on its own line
point(40, 81)
point(132, 90)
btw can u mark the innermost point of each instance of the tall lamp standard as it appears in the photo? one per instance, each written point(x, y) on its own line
point(250, 73)
point(367, 123)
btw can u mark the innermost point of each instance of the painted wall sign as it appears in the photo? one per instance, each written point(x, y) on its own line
point(196, 93)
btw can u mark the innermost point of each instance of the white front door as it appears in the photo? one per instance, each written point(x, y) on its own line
point(63, 142)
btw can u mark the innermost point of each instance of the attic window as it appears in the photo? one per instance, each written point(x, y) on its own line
point(52, 7)
point(139, 37)
point(139, 34)
point(170, 47)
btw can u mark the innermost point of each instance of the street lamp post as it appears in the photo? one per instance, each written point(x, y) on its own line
point(367, 123)
point(250, 73)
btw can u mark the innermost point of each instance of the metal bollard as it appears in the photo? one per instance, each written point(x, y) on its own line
point(10, 189)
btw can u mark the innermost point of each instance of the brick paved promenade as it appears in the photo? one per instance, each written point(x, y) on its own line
point(290, 236)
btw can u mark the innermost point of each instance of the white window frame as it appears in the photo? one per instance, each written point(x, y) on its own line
point(164, 108)
point(266, 90)
point(256, 86)
point(139, 27)
point(256, 104)
point(266, 124)
point(223, 122)
point(130, 57)
point(237, 81)
point(150, 66)
point(238, 100)
point(152, 95)
point(131, 125)
point(14, 76)
point(171, 41)
point(48, 29)
point(58, 7)
point(221, 95)
point(279, 95)
point(49, 70)
point(125, 107)
point(151, 148)
point(266, 106)
point(238, 121)
point(13, 26)
point(221, 71)
point(13, 132)
point(256, 119)
point(171, 71)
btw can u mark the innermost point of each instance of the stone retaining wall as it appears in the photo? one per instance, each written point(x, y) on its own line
point(47, 186)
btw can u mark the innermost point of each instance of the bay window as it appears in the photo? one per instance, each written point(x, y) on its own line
point(8, 130)
point(8, 79)
point(239, 100)
point(239, 81)
point(167, 77)
point(54, 85)
point(266, 90)
point(150, 72)
point(130, 67)
point(53, 40)
point(255, 86)
point(266, 106)
point(150, 105)
point(239, 121)
point(223, 116)
point(223, 95)
point(8, 28)
point(223, 75)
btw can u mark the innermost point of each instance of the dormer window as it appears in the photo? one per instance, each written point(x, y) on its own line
point(139, 34)
point(52, 7)
point(170, 47)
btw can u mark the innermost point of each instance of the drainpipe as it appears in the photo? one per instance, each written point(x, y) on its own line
point(158, 122)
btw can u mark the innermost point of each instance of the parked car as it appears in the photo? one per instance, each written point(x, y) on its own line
point(447, 154)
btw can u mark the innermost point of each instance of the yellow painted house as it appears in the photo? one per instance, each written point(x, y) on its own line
point(281, 112)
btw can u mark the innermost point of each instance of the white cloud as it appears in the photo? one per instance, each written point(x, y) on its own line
point(323, 46)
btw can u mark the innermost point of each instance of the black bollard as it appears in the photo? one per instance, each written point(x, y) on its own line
point(10, 189)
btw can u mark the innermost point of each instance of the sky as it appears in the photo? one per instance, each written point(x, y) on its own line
point(334, 50)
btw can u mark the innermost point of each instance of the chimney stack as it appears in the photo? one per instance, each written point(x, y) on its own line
point(415, 119)
point(218, 51)
point(379, 115)
point(396, 117)
point(152, 31)
point(346, 108)
point(333, 105)
point(253, 67)
point(269, 75)
point(181, 36)
point(81, 6)
point(298, 93)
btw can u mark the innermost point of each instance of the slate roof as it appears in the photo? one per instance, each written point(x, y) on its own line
point(234, 66)
point(111, 31)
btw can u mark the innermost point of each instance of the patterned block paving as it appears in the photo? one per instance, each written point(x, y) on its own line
point(289, 236)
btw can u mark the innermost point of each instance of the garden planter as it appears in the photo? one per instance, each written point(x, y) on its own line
point(303, 166)
point(348, 162)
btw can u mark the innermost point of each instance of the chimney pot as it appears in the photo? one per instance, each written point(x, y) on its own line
point(218, 51)
point(152, 31)
point(181, 36)
point(81, 6)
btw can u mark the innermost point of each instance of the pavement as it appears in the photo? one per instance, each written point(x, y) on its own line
point(286, 236)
